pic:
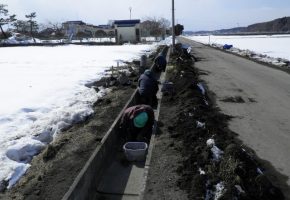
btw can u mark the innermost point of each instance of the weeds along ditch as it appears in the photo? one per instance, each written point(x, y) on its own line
point(216, 164)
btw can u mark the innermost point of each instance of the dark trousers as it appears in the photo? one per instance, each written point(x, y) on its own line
point(145, 99)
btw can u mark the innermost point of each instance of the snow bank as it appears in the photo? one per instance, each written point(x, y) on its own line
point(43, 92)
point(149, 39)
point(18, 38)
point(167, 41)
point(99, 40)
point(24, 149)
point(264, 48)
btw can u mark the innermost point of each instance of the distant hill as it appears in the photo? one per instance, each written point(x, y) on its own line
point(232, 30)
point(281, 25)
point(277, 25)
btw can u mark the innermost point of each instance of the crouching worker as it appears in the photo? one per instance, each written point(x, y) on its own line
point(136, 123)
point(147, 90)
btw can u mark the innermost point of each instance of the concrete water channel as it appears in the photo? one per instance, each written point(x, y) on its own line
point(105, 175)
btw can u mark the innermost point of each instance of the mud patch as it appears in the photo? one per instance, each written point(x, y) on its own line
point(252, 100)
point(235, 99)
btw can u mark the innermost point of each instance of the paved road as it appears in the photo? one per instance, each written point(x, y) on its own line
point(263, 121)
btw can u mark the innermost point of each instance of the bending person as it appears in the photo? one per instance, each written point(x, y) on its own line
point(148, 88)
point(136, 123)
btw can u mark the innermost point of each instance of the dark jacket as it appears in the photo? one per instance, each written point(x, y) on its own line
point(148, 85)
point(160, 63)
point(127, 128)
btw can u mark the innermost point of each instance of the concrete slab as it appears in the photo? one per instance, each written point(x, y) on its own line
point(119, 197)
point(123, 179)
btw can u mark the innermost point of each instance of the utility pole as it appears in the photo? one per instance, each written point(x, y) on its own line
point(130, 8)
point(173, 27)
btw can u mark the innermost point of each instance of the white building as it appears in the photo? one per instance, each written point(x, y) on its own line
point(75, 28)
point(127, 31)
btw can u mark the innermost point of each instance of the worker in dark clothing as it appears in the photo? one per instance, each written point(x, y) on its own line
point(147, 90)
point(136, 123)
point(160, 63)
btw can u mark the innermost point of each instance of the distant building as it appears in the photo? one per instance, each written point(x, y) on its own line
point(47, 32)
point(105, 26)
point(80, 28)
point(72, 27)
point(127, 31)
point(122, 30)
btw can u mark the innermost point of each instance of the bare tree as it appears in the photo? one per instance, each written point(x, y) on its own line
point(111, 34)
point(155, 27)
point(82, 34)
point(5, 18)
point(33, 24)
point(164, 25)
point(51, 30)
point(56, 27)
point(12, 19)
point(100, 34)
point(150, 27)
point(21, 26)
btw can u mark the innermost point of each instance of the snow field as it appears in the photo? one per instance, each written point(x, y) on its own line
point(272, 49)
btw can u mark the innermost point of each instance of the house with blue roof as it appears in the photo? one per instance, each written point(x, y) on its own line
point(127, 31)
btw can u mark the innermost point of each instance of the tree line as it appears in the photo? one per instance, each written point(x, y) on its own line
point(151, 26)
point(28, 26)
point(159, 27)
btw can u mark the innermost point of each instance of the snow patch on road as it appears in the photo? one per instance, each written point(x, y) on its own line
point(216, 152)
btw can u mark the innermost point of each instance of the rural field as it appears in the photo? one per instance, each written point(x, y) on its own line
point(272, 45)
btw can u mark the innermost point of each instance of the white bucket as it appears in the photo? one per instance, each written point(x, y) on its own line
point(135, 151)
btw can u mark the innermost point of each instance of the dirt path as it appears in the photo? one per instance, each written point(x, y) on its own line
point(262, 116)
point(196, 155)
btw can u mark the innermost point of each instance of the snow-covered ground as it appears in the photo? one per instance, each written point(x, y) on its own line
point(43, 91)
point(261, 47)
point(18, 38)
point(94, 40)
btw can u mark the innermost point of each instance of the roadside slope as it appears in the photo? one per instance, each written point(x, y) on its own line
point(258, 97)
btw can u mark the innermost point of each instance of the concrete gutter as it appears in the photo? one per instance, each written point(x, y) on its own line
point(86, 183)
point(152, 140)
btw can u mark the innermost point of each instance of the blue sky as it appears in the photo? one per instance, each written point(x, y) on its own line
point(193, 14)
